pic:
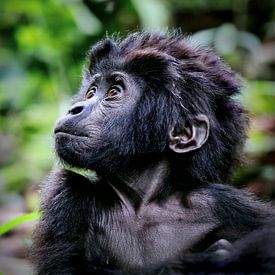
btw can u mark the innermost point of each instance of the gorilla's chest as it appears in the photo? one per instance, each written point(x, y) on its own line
point(151, 235)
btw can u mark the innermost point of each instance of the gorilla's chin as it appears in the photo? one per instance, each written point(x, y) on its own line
point(71, 149)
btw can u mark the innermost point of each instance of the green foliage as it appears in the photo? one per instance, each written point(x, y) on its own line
point(4, 228)
point(153, 13)
point(43, 45)
point(40, 65)
point(259, 96)
point(226, 39)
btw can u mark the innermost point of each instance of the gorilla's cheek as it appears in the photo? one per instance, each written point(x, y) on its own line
point(87, 141)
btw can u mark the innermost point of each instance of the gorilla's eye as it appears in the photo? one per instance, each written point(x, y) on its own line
point(91, 92)
point(113, 91)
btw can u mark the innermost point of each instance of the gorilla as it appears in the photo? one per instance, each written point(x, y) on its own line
point(150, 140)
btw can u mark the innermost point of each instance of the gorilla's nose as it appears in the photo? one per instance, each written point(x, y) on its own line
point(80, 108)
point(76, 110)
point(76, 113)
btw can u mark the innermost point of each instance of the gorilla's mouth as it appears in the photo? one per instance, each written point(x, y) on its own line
point(68, 133)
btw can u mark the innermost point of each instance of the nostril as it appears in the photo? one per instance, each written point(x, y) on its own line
point(76, 110)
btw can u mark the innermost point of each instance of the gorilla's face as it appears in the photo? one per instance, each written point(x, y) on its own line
point(128, 109)
point(98, 124)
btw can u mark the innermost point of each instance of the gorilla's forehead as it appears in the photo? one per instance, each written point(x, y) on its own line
point(96, 78)
point(106, 66)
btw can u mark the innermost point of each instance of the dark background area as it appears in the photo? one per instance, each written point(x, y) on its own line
point(43, 45)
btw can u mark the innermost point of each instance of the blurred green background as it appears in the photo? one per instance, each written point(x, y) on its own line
point(43, 47)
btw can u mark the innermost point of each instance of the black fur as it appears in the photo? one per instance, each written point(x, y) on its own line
point(187, 80)
point(151, 210)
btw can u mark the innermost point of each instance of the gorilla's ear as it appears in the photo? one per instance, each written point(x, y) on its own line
point(190, 137)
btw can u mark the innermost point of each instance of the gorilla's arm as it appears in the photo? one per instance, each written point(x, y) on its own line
point(252, 254)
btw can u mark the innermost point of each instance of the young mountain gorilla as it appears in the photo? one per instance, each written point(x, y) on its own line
point(156, 120)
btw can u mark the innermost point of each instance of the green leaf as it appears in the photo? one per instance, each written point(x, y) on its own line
point(153, 14)
point(86, 21)
point(19, 220)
